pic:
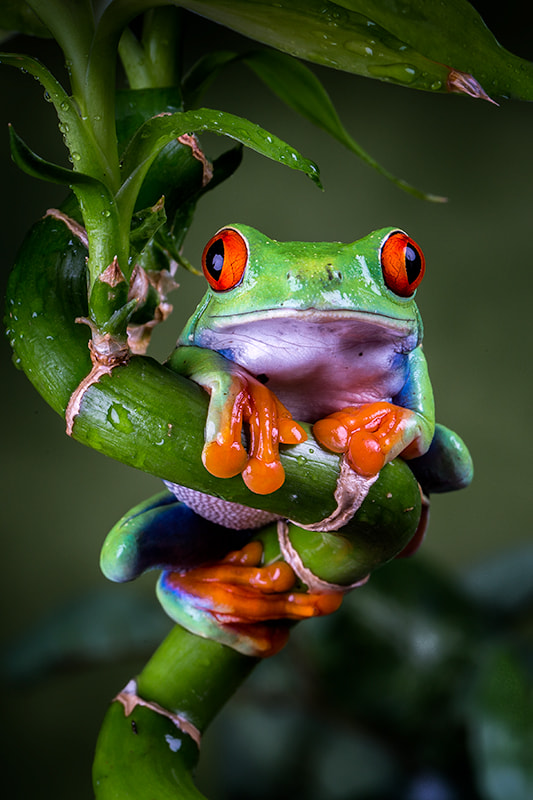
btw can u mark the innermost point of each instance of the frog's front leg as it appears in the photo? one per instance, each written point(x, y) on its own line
point(373, 434)
point(237, 398)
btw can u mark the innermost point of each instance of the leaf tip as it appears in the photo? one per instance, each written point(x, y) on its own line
point(314, 173)
point(436, 198)
point(464, 83)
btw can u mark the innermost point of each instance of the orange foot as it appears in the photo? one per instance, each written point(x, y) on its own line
point(269, 423)
point(370, 435)
point(240, 603)
point(238, 400)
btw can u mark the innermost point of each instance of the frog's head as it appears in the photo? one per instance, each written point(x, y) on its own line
point(254, 280)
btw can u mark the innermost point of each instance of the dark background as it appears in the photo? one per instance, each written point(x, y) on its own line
point(59, 498)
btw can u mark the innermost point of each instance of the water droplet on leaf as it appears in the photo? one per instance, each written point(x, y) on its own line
point(119, 418)
point(400, 73)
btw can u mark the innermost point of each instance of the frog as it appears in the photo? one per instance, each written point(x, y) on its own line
point(288, 333)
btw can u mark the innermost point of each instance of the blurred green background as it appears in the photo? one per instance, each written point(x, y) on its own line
point(60, 499)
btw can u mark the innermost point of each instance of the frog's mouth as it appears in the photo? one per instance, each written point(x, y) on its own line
point(346, 354)
point(312, 329)
point(316, 316)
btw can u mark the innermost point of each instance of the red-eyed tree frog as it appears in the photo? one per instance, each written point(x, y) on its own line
point(325, 333)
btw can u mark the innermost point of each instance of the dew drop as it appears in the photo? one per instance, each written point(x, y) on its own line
point(359, 47)
point(119, 418)
point(401, 73)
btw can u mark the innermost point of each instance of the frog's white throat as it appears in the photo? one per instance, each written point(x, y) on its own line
point(317, 362)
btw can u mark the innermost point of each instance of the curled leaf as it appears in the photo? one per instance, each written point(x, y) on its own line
point(157, 132)
point(300, 89)
point(39, 167)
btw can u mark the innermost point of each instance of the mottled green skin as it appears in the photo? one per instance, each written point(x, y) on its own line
point(291, 275)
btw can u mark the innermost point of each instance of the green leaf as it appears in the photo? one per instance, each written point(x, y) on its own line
point(145, 224)
point(327, 34)
point(453, 33)
point(419, 44)
point(159, 131)
point(135, 106)
point(499, 716)
point(84, 154)
point(99, 212)
point(38, 167)
point(300, 89)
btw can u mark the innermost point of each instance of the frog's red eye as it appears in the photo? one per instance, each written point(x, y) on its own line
point(224, 259)
point(403, 264)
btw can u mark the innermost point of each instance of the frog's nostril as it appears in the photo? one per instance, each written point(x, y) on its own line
point(333, 274)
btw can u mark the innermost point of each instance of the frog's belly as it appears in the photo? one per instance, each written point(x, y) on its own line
point(317, 368)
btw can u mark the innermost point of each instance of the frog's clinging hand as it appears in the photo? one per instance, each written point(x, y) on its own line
point(328, 333)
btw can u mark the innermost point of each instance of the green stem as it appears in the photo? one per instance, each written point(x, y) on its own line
point(192, 676)
point(72, 26)
point(162, 44)
point(134, 61)
point(153, 63)
point(100, 79)
point(145, 755)
point(150, 66)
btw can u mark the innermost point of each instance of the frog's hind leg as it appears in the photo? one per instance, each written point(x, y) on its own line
point(240, 602)
point(231, 597)
point(163, 533)
point(446, 466)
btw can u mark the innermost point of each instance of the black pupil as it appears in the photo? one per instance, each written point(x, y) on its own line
point(214, 259)
point(413, 263)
